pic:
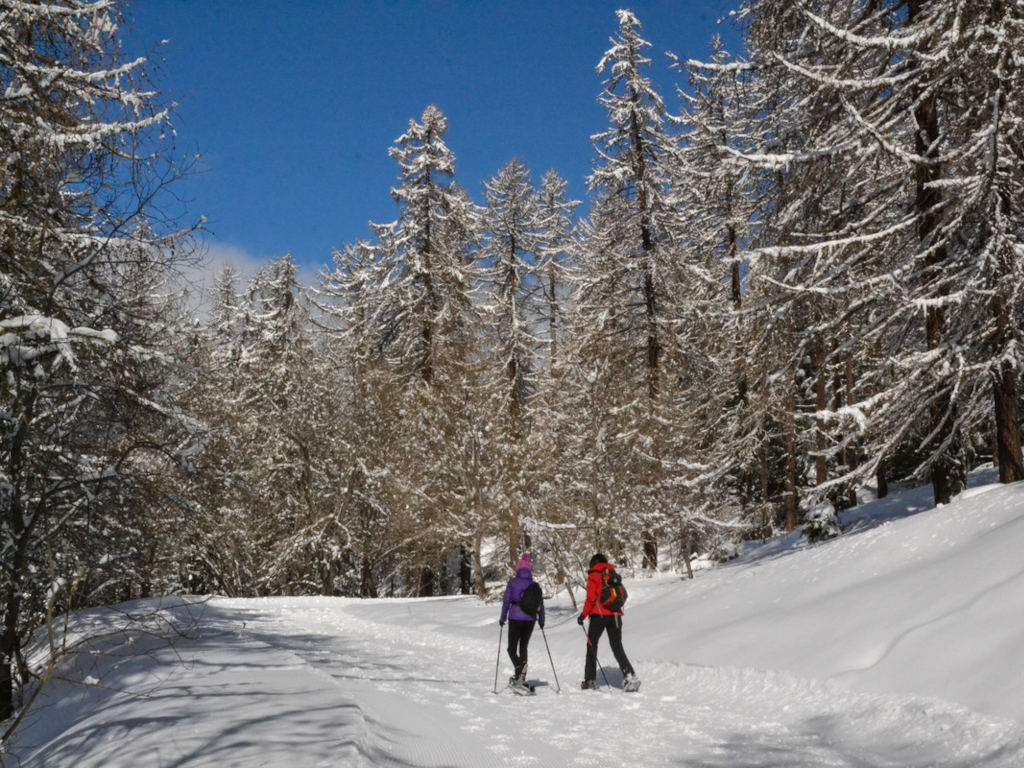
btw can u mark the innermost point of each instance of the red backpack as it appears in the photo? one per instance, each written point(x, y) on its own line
point(613, 594)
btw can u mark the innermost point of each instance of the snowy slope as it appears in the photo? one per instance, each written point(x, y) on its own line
point(930, 604)
point(896, 645)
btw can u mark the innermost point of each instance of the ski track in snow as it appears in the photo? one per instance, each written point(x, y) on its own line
point(430, 692)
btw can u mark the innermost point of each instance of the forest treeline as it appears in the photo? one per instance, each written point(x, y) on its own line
point(804, 280)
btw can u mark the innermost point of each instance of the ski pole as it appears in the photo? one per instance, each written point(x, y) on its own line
point(544, 635)
point(595, 657)
point(497, 663)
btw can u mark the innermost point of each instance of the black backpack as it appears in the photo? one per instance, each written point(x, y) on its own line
point(532, 599)
point(613, 594)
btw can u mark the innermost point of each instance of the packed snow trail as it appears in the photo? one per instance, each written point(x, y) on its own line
point(439, 685)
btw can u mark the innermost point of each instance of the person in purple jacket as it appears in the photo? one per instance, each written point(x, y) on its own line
point(520, 624)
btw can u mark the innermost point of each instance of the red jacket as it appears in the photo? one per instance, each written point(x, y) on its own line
point(595, 581)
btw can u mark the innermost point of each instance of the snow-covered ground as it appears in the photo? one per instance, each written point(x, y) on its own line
point(899, 644)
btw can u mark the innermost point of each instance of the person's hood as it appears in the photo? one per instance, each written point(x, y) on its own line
point(524, 573)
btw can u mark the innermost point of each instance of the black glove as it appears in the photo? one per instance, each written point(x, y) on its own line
point(501, 623)
point(579, 619)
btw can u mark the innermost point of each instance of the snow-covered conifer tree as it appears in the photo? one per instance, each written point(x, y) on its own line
point(553, 423)
point(714, 196)
point(623, 301)
point(377, 430)
point(903, 212)
point(557, 250)
point(84, 332)
point(511, 221)
point(426, 260)
point(415, 303)
point(274, 517)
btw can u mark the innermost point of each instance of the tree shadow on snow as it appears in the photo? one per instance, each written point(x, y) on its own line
point(193, 698)
point(834, 739)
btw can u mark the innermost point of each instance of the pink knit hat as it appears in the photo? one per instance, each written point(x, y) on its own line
point(524, 562)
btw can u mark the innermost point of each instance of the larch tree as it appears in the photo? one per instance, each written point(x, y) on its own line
point(511, 222)
point(551, 518)
point(720, 119)
point(376, 430)
point(912, 159)
point(715, 219)
point(291, 393)
point(220, 554)
point(558, 249)
point(419, 293)
point(623, 293)
point(86, 312)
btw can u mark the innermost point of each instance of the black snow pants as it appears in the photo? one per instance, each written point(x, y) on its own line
point(598, 624)
point(518, 641)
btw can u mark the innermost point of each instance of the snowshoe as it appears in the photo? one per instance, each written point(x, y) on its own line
point(630, 683)
point(588, 685)
point(520, 686)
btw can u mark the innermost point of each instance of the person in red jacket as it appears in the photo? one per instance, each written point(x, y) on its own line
point(601, 619)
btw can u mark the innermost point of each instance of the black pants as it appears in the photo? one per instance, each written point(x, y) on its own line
point(598, 624)
point(518, 641)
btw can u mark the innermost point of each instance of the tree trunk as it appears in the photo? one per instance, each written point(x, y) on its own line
point(946, 473)
point(329, 573)
point(425, 588)
point(1011, 466)
point(994, 446)
point(686, 546)
point(650, 560)
point(512, 447)
point(765, 488)
point(368, 586)
point(478, 565)
point(20, 532)
point(552, 318)
point(848, 459)
point(820, 462)
point(1004, 389)
point(881, 481)
point(790, 501)
point(465, 571)
point(513, 540)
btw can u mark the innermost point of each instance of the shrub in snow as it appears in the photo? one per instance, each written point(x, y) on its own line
point(821, 523)
point(724, 550)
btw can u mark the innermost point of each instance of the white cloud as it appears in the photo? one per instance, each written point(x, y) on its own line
point(218, 255)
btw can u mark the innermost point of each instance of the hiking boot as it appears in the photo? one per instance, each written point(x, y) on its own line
point(588, 685)
point(630, 682)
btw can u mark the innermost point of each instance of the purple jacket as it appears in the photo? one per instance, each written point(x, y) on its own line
point(514, 593)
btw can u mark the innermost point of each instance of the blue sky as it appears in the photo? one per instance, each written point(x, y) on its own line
point(294, 104)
